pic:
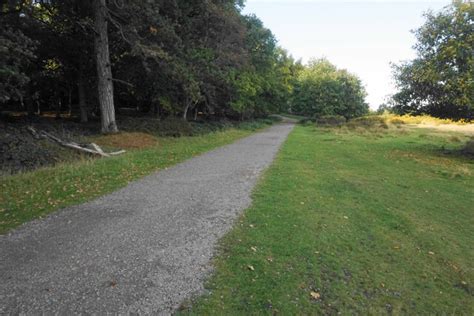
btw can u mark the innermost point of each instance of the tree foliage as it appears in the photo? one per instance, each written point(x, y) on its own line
point(17, 52)
point(167, 57)
point(322, 89)
point(440, 80)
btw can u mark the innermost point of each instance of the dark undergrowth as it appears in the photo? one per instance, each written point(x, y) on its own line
point(20, 151)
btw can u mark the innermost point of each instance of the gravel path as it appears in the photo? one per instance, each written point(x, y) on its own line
point(143, 249)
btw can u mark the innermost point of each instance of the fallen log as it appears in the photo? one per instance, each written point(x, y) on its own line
point(88, 148)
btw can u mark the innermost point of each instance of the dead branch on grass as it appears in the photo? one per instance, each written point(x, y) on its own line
point(88, 148)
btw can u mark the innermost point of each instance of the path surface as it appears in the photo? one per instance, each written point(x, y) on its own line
point(143, 249)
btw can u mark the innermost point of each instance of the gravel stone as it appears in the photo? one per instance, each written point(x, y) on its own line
point(143, 249)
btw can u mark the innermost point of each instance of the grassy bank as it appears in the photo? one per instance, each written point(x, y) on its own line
point(30, 195)
point(353, 221)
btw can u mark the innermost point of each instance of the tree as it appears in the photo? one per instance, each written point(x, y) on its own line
point(265, 83)
point(384, 108)
point(322, 89)
point(17, 54)
point(104, 70)
point(440, 80)
point(168, 58)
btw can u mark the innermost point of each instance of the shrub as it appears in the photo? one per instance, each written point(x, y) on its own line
point(373, 121)
point(469, 148)
point(397, 121)
point(255, 124)
point(306, 121)
point(369, 120)
point(419, 119)
point(331, 120)
point(175, 127)
point(204, 127)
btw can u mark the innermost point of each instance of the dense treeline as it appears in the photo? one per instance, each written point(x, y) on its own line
point(164, 57)
point(193, 59)
point(440, 81)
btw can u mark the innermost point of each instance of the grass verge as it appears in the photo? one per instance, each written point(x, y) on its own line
point(353, 222)
point(31, 195)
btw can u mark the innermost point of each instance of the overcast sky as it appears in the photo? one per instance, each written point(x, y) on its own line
point(361, 36)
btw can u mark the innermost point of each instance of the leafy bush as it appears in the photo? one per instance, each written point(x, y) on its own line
point(469, 148)
point(175, 127)
point(442, 42)
point(306, 120)
point(204, 127)
point(331, 120)
point(419, 119)
point(397, 121)
point(256, 124)
point(323, 89)
point(368, 122)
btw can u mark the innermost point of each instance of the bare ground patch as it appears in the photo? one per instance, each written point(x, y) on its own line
point(132, 140)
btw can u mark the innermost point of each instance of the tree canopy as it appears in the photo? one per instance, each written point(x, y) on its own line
point(322, 89)
point(160, 57)
point(166, 57)
point(440, 80)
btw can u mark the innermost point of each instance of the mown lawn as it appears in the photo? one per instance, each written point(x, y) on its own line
point(353, 222)
point(27, 196)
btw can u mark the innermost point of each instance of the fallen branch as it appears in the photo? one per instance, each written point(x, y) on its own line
point(88, 148)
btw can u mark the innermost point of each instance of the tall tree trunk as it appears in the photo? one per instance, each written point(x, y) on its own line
point(196, 110)
point(185, 113)
point(82, 94)
point(38, 107)
point(58, 108)
point(104, 71)
point(69, 100)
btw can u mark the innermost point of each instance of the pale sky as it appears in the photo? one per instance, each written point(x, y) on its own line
point(360, 36)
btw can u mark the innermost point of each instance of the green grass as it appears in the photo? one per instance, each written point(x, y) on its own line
point(31, 195)
point(353, 222)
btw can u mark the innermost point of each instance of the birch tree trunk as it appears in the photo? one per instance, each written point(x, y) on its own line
point(185, 112)
point(104, 71)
